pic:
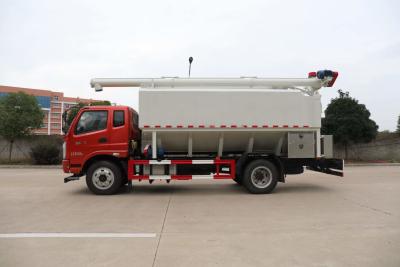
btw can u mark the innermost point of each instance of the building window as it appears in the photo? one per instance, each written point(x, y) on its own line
point(68, 106)
point(55, 125)
point(55, 98)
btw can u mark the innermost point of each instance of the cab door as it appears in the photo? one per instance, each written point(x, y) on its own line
point(119, 139)
point(89, 135)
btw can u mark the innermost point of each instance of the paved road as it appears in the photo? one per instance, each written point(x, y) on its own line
point(312, 220)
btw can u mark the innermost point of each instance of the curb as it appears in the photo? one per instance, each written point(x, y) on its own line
point(370, 164)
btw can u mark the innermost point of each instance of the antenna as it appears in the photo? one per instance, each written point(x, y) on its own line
point(190, 64)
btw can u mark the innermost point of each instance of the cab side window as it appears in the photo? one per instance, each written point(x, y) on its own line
point(118, 118)
point(91, 121)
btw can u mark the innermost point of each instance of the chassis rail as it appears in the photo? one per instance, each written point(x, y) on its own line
point(134, 173)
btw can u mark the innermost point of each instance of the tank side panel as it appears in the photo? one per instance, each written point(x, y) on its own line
point(169, 109)
point(195, 107)
point(207, 141)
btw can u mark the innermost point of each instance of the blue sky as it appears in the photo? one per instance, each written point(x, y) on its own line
point(61, 45)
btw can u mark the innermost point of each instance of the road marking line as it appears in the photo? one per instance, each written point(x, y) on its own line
point(78, 235)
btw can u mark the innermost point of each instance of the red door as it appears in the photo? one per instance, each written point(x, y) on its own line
point(119, 139)
point(89, 136)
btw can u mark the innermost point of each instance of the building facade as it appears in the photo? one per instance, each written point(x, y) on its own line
point(52, 103)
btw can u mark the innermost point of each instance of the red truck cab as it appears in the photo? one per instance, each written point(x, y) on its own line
point(100, 132)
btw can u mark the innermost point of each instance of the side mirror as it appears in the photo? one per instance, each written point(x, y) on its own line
point(64, 127)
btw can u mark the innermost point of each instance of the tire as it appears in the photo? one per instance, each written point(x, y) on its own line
point(238, 181)
point(124, 181)
point(240, 163)
point(260, 177)
point(104, 178)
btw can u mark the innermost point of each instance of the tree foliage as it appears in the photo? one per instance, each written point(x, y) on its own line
point(100, 103)
point(46, 153)
point(398, 125)
point(348, 121)
point(73, 111)
point(19, 115)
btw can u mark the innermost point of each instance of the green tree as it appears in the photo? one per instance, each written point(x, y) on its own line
point(398, 125)
point(19, 115)
point(100, 103)
point(71, 113)
point(348, 121)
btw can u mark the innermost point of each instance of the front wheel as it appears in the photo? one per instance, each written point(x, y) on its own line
point(238, 181)
point(104, 178)
point(260, 177)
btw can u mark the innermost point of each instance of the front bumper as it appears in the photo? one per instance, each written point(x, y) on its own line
point(72, 178)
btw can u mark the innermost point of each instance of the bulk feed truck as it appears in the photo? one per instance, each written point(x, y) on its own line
point(254, 131)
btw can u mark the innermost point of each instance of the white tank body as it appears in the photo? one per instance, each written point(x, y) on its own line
point(212, 120)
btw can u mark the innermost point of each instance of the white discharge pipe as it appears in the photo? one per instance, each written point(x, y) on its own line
point(311, 84)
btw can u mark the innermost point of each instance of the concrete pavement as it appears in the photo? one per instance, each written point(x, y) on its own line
point(312, 220)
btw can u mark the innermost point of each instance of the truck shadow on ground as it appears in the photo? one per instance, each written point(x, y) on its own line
point(223, 189)
point(186, 189)
point(212, 189)
point(301, 188)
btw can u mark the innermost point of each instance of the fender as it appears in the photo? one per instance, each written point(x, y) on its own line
point(115, 155)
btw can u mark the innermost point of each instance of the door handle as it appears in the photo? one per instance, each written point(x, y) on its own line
point(102, 140)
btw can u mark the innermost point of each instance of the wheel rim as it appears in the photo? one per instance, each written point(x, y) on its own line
point(103, 178)
point(261, 177)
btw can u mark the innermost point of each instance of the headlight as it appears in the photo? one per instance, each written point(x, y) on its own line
point(64, 147)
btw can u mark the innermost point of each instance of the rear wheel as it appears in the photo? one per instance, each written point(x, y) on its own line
point(104, 178)
point(260, 177)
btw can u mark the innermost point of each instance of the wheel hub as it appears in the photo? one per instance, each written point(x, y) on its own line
point(261, 177)
point(103, 178)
